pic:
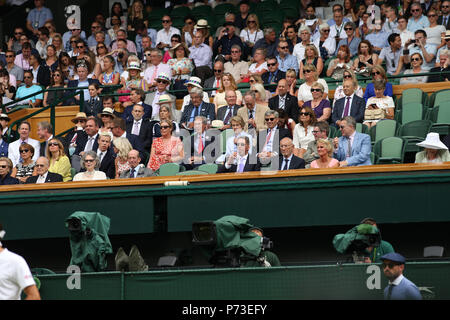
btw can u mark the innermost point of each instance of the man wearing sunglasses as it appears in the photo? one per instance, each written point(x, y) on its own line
point(274, 75)
point(399, 288)
point(352, 148)
point(164, 35)
point(444, 17)
point(216, 80)
point(24, 137)
point(268, 143)
point(421, 46)
point(43, 175)
point(285, 101)
point(235, 66)
point(417, 21)
point(241, 161)
point(155, 66)
point(285, 60)
point(28, 89)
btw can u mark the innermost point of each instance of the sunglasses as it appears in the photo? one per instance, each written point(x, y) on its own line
point(165, 21)
point(24, 150)
point(347, 76)
point(175, 40)
point(376, 73)
point(283, 48)
point(235, 51)
point(327, 30)
point(165, 127)
point(28, 77)
point(3, 167)
point(444, 6)
point(307, 71)
point(270, 119)
point(73, 41)
point(251, 21)
point(415, 59)
point(56, 75)
point(415, 10)
point(9, 56)
point(161, 81)
point(431, 15)
point(80, 47)
point(101, 47)
point(316, 90)
point(315, 132)
point(342, 127)
point(305, 113)
point(89, 160)
point(18, 33)
point(80, 121)
point(346, 29)
point(389, 265)
point(271, 64)
point(52, 144)
point(218, 71)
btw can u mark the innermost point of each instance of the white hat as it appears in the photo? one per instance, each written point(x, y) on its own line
point(201, 24)
point(134, 65)
point(165, 98)
point(107, 111)
point(217, 124)
point(195, 81)
point(163, 76)
point(433, 142)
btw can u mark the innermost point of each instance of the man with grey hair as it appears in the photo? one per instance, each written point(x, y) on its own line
point(82, 82)
point(299, 50)
point(269, 42)
point(155, 67)
point(136, 170)
point(200, 152)
point(352, 148)
point(235, 66)
point(241, 161)
point(269, 139)
point(320, 131)
point(352, 41)
point(252, 113)
point(216, 80)
point(197, 108)
point(443, 68)
point(44, 132)
point(225, 113)
point(43, 175)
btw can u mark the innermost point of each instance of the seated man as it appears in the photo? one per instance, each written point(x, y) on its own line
point(137, 96)
point(215, 80)
point(140, 127)
point(252, 113)
point(269, 139)
point(106, 155)
point(43, 175)
point(200, 142)
point(353, 148)
point(241, 161)
point(119, 130)
point(350, 105)
point(285, 101)
point(227, 112)
point(24, 137)
point(136, 170)
point(288, 161)
point(443, 68)
point(274, 75)
point(197, 108)
point(28, 89)
point(82, 82)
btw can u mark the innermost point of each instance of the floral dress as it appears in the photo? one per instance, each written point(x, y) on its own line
point(173, 149)
point(178, 65)
point(122, 166)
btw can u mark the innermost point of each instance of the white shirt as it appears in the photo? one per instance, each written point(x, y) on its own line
point(268, 145)
point(164, 37)
point(406, 35)
point(247, 35)
point(41, 179)
point(301, 139)
point(397, 280)
point(136, 127)
point(13, 150)
point(15, 275)
point(299, 51)
point(152, 72)
point(304, 91)
point(284, 164)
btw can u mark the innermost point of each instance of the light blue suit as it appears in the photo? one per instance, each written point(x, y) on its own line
point(361, 148)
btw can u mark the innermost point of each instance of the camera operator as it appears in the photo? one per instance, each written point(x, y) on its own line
point(267, 258)
point(374, 254)
point(418, 45)
point(15, 276)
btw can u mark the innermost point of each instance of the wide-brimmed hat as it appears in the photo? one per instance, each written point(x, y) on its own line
point(107, 111)
point(432, 141)
point(447, 35)
point(79, 116)
point(181, 44)
point(165, 98)
point(163, 76)
point(195, 81)
point(217, 124)
point(134, 65)
point(201, 24)
point(4, 116)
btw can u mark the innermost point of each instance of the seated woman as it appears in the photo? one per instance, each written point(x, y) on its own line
point(165, 113)
point(257, 79)
point(339, 92)
point(434, 150)
point(382, 106)
point(251, 34)
point(57, 81)
point(25, 168)
point(416, 67)
point(227, 83)
point(325, 152)
point(378, 73)
point(106, 117)
point(59, 162)
point(260, 93)
point(303, 131)
point(121, 147)
point(311, 57)
point(109, 76)
point(260, 65)
point(134, 79)
point(67, 66)
point(318, 104)
point(291, 78)
point(90, 162)
point(5, 170)
point(366, 58)
point(181, 66)
point(101, 51)
point(7, 90)
point(52, 58)
point(341, 63)
point(166, 148)
point(304, 91)
point(174, 40)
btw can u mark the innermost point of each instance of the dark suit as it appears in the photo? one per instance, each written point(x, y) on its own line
point(208, 110)
point(357, 109)
point(68, 138)
point(247, 167)
point(94, 107)
point(439, 22)
point(222, 112)
point(128, 116)
point(73, 84)
point(439, 77)
point(137, 144)
point(108, 165)
point(290, 106)
point(278, 76)
point(145, 133)
point(81, 142)
point(210, 157)
point(210, 83)
point(51, 177)
point(295, 163)
point(263, 134)
point(7, 180)
point(43, 76)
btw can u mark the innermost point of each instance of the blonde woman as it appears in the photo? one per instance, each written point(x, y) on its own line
point(260, 93)
point(136, 15)
point(59, 162)
point(58, 43)
point(257, 79)
point(303, 131)
point(325, 152)
point(121, 148)
point(304, 91)
point(311, 57)
point(227, 83)
point(252, 32)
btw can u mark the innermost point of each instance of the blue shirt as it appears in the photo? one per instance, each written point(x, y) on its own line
point(93, 43)
point(331, 22)
point(353, 45)
point(23, 91)
point(192, 118)
point(378, 39)
point(3, 148)
point(405, 290)
point(152, 33)
point(37, 18)
point(430, 48)
point(370, 91)
point(422, 23)
point(66, 39)
point(289, 62)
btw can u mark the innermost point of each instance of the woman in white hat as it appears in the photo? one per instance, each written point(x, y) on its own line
point(180, 65)
point(134, 79)
point(106, 116)
point(165, 113)
point(435, 151)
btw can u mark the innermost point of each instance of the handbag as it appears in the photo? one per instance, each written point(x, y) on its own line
point(374, 114)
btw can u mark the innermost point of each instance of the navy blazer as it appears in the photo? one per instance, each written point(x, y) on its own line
point(3, 148)
point(72, 87)
point(108, 165)
point(43, 75)
point(127, 115)
point(290, 106)
point(81, 141)
point(357, 109)
point(51, 177)
point(222, 111)
point(248, 167)
point(145, 133)
point(8, 180)
point(208, 110)
point(295, 163)
point(280, 75)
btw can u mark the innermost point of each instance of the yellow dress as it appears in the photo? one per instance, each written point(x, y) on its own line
point(62, 166)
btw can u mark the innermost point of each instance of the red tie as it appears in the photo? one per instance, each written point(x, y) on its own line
point(200, 144)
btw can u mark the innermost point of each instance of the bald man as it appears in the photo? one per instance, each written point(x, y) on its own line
point(285, 101)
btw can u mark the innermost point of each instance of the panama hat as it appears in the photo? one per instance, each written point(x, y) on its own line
point(217, 124)
point(432, 142)
point(195, 81)
point(201, 24)
point(4, 116)
point(79, 116)
point(181, 44)
point(447, 35)
point(165, 98)
point(107, 111)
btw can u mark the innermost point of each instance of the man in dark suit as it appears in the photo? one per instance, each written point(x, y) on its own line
point(136, 170)
point(43, 175)
point(444, 18)
point(225, 113)
point(443, 67)
point(106, 155)
point(241, 161)
point(201, 153)
point(269, 139)
point(285, 101)
point(288, 161)
point(197, 108)
point(215, 81)
point(88, 141)
point(45, 133)
point(140, 127)
point(274, 75)
point(119, 131)
point(350, 105)
point(137, 96)
point(70, 138)
point(82, 81)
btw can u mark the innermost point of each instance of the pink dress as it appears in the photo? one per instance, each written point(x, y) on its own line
point(332, 163)
point(122, 167)
point(158, 157)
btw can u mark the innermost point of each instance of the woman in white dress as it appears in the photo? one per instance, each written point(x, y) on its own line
point(90, 162)
point(304, 91)
point(303, 131)
point(380, 101)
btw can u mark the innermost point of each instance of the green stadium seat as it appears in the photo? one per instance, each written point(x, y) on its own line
point(332, 132)
point(362, 128)
point(157, 14)
point(169, 169)
point(412, 95)
point(389, 150)
point(440, 116)
point(410, 112)
point(202, 12)
point(210, 168)
point(383, 129)
point(180, 12)
point(73, 172)
point(190, 173)
point(223, 8)
point(414, 132)
point(178, 23)
point(438, 97)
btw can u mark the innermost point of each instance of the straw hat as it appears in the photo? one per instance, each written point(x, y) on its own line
point(163, 76)
point(4, 116)
point(433, 142)
point(79, 116)
point(134, 65)
point(107, 111)
point(165, 98)
point(195, 81)
point(181, 44)
point(217, 124)
point(447, 35)
point(201, 24)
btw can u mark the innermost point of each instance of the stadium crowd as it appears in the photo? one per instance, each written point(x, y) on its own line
point(274, 121)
